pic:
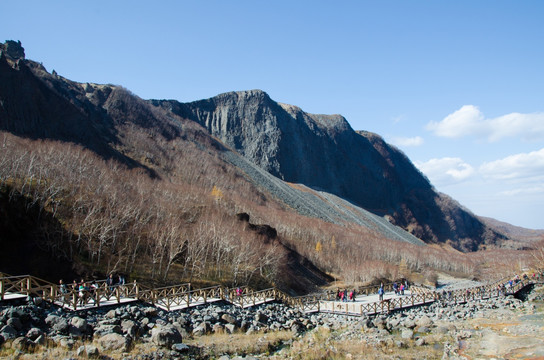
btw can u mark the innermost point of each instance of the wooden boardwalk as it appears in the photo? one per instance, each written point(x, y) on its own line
point(182, 296)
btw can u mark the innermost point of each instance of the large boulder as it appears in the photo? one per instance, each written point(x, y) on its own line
point(57, 324)
point(424, 321)
point(34, 333)
point(130, 327)
point(88, 351)
point(165, 336)
point(107, 329)
point(8, 332)
point(228, 318)
point(79, 324)
point(15, 323)
point(202, 329)
point(114, 342)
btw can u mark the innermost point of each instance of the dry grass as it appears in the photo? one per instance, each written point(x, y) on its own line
point(240, 344)
point(322, 344)
point(316, 345)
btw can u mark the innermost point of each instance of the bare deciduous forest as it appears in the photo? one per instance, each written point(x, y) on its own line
point(181, 225)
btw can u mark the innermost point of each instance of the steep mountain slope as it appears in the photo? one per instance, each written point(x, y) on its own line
point(324, 153)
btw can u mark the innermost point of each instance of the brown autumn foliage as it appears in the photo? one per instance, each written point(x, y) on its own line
point(180, 224)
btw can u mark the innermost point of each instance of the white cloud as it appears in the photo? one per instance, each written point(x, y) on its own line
point(446, 171)
point(470, 121)
point(398, 119)
point(407, 141)
point(522, 166)
point(533, 190)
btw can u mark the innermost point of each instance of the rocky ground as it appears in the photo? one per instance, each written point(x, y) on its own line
point(498, 328)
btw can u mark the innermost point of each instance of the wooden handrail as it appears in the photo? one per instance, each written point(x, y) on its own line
point(178, 296)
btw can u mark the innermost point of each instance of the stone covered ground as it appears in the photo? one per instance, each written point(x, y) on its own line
point(500, 328)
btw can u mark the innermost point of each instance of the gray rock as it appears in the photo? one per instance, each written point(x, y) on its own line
point(463, 334)
point(421, 341)
point(114, 342)
point(180, 348)
point(423, 329)
point(15, 323)
point(379, 323)
point(260, 317)
point(424, 321)
point(130, 327)
point(165, 336)
point(228, 318)
point(407, 334)
point(34, 333)
point(21, 343)
point(88, 351)
point(409, 323)
point(107, 329)
point(66, 342)
point(150, 312)
point(218, 328)
point(79, 323)
point(57, 324)
point(231, 328)
point(251, 330)
point(8, 332)
point(202, 329)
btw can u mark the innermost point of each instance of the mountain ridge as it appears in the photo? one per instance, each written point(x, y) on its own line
point(323, 152)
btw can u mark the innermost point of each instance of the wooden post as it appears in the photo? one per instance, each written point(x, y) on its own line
point(74, 298)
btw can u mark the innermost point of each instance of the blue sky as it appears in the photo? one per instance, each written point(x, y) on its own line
point(457, 85)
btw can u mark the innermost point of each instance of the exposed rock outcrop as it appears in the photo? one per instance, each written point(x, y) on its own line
point(13, 50)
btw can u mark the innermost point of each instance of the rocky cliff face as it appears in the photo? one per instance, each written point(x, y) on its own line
point(324, 152)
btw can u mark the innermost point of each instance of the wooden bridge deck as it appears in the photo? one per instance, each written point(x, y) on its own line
point(182, 296)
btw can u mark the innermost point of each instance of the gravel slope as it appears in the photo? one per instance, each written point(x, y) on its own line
point(319, 204)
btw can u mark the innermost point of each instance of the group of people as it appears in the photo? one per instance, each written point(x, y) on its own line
point(398, 288)
point(86, 290)
point(344, 295)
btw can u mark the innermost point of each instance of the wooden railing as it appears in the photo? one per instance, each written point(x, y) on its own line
point(387, 305)
point(182, 296)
